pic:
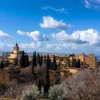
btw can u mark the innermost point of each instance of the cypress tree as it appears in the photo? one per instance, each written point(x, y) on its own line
point(38, 59)
point(39, 85)
point(74, 63)
point(54, 63)
point(22, 60)
point(59, 64)
point(26, 61)
point(44, 60)
point(48, 62)
point(1, 65)
point(41, 60)
point(33, 61)
point(78, 63)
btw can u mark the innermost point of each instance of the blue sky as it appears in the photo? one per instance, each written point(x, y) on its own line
point(63, 26)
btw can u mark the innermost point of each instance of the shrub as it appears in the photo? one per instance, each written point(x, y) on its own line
point(30, 93)
point(13, 72)
point(57, 92)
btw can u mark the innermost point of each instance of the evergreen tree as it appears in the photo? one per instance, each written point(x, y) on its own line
point(74, 63)
point(1, 65)
point(16, 61)
point(48, 62)
point(41, 60)
point(3, 56)
point(39, 85)
point(59, 64)
point(78, 63)
point(33, 61)
point(22, 60)
point(38, 59)
point(44, 60)
point(26, 61)
point(54, 63)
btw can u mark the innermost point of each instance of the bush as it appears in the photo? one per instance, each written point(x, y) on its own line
point(30, 93)
point(57, 92)
point(13, 72)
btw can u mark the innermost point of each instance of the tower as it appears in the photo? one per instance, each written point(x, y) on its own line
point(16, 48)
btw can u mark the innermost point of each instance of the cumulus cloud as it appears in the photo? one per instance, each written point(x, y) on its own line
point(50, 22)
point(35, 35)
point(5, 41)
point(60, 46)
point(30, 45)
point(61, 10)
point(89, 36)
point(87, 4)
point(4, 35)
point(93, 4)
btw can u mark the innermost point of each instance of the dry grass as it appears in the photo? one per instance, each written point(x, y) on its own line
point(4, 77)
point(6, 99)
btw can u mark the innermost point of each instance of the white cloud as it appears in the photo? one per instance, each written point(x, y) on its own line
point(98, 1)
point(21, 32)
point(89, 36)
point(61, 46)
point(61, 10)
point(35, 35)
point(4, 35)
point(50, 22)
point(87, 4)
point(79, 41)
point(30, 45)
point(93, 4)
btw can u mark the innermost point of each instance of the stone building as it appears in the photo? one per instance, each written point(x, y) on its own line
point(15, 54)
point(89, 60)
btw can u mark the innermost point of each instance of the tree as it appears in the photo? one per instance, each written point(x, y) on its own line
point(78, 63)
point(1, 65)
point(54, 63)
point(41, 60)
point(74, 62)
point(47, 85)
point(48, 62)
point(33, 61)
point(26, 60)
point(22, 60)
point(13, 72)
point(39, 85)
point(38, 59)
point(6, 63)
point(16, 61)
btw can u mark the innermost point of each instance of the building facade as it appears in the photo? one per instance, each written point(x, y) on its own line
point(89, 60)
point(15, 54)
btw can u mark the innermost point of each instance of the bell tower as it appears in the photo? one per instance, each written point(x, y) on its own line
point(16, 48)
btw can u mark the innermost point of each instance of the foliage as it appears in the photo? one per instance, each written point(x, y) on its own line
point(24, 60)
point(13, 72)
point(34, 61)
point(15, 61)
point(1, 65)
point(30, 93)
point(58, 92)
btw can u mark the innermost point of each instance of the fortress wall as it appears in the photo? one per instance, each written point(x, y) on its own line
point(91, 61)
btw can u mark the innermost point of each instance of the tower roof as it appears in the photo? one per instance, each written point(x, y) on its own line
point(16, 44)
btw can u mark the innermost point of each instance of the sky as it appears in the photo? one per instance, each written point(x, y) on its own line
point(54, 26)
